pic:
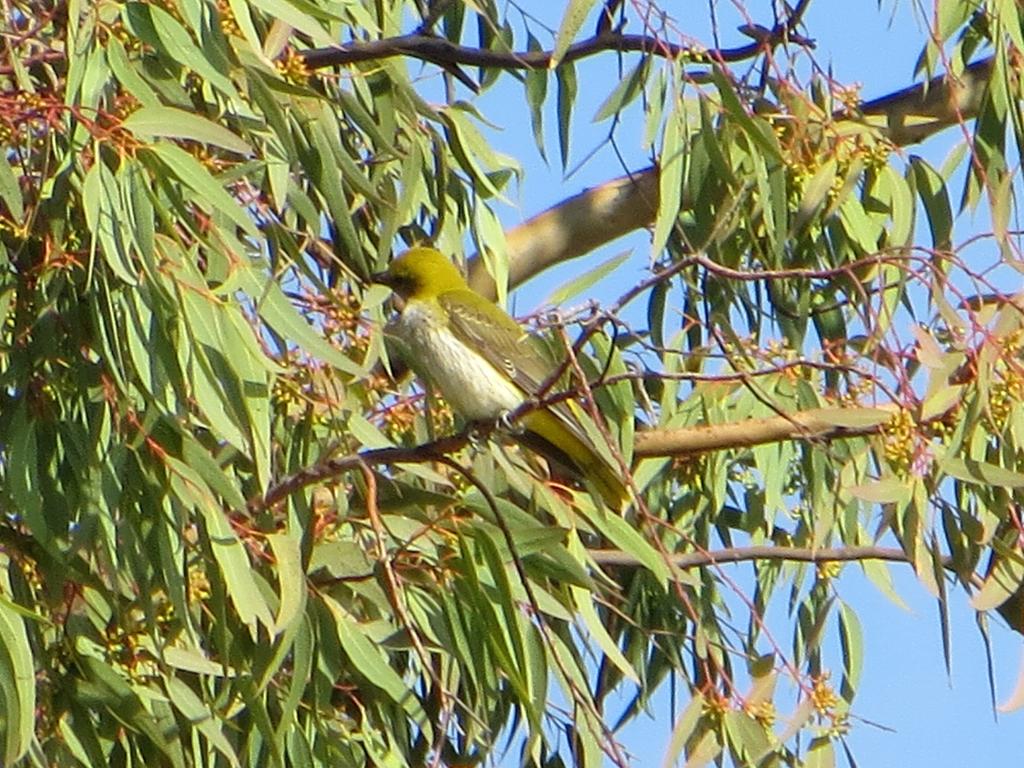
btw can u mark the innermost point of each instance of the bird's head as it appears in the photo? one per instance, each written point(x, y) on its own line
point(421, 273)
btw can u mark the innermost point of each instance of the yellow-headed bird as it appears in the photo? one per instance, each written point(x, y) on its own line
point(486, 365)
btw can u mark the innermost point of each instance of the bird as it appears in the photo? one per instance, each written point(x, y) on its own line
point(486, 365)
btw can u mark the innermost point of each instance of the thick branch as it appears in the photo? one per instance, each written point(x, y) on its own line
point(818, 424)
point(574, 227)
point(915, 113)
point(684, 560)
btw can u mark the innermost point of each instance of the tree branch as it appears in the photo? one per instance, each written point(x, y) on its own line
point(1010, 610)
point(819, 424)
point(915, 113)
point(684, 560)
point(574, 227)
point(332, 468)
point(816, 424)
point(443, 52)
point(440, 51)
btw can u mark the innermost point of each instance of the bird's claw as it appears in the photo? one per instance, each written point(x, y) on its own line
point(476, 435)
point(480, 431)
point(508, 424)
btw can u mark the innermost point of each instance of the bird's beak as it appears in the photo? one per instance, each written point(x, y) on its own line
point(386, 278)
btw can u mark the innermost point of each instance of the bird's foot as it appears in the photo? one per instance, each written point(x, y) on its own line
point(506, 423)
point(478, 433)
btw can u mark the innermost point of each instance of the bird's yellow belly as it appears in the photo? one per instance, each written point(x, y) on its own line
point(470, 384)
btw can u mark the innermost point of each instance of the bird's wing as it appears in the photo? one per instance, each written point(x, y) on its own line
point(499, 339)
point(555, 432)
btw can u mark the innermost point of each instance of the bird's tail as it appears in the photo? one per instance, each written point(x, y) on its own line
point(558, 440)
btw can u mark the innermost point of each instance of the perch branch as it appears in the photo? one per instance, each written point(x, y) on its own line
point(814, 424)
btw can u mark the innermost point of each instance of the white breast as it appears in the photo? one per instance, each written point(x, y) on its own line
point(469, 383)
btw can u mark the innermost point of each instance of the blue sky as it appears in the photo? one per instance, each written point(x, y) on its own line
point(935, 719)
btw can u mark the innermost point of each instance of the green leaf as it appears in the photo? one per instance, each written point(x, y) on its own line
point(851, 637)
point(855, 418)
point(1007, 17)
point(879, 575)
point(17, 681)
point(104, 216)
point(136, 191)
point(578, 285)
point(510, 625)
point(490, 240)
point(231, 556)
point(279, 313)
point(931, 189)
point(981, 472)
point(815, 195)
point(474, 153)
point(656, 307)
point(1001, 201)
point(670, 179)
point(901, 208)
point(625, 93)
point(179, 164)
point(303, 16)
point(367, 657)
point(10, 191)
point(747, 736)
point(292, 580)
point(222, 483)
point(128, 75)
point(950, 16)
point(575, 14)
point(565, 79)
point(216, 386)
point(626, 538)
point(194, 660)
point(302, 655)
point(328, 182)
point(149, 122)
point(821, 753)
point(583, 599)
point(684, 728)
point(758, 131)
point(536, 83)
point(654, 106)
point(161, 30)
point(199, 715)
point(706, 749)
point(941, 401)
point(860, 228)
point(887, 490)
point(102, 687)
